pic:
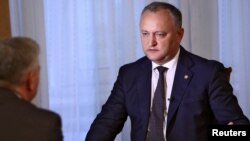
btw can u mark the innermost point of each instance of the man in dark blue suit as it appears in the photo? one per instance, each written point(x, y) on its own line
point(197, 91)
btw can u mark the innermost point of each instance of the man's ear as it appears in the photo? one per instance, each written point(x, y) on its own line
point(180, 33)
point(29, 82)
point(30, 85)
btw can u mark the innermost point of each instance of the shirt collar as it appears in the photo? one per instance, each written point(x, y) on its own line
point(170, 64)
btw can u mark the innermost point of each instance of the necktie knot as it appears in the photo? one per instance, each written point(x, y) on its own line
point(161, 69)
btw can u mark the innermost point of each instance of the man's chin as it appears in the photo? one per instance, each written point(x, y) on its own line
point(157, 60)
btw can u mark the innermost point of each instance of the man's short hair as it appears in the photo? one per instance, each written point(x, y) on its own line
point(17, 56)
point(156, 6)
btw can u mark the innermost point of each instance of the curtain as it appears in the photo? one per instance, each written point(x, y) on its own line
point(84, 42)
point(234, 21)
point(87, 41)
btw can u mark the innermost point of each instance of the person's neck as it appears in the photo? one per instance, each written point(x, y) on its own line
point(11, 87)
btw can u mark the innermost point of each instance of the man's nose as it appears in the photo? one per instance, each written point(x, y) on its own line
point(152, 40)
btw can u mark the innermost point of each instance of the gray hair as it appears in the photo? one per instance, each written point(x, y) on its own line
point(156, 6)
point(17, 56)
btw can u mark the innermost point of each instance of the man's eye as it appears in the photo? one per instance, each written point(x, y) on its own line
point(145, 33)
point(160, 34)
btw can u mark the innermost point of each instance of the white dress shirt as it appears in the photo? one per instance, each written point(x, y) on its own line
point(169, 78)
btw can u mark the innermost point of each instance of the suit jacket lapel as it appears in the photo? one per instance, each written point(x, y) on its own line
point(182, 78)
point(144, 89)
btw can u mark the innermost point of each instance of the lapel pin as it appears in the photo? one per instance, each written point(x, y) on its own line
point(185, 76)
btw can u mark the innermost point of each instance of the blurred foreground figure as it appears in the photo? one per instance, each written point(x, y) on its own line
point(19, 77)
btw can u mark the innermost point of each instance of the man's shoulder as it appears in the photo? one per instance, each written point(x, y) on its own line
point(141, 62)
point(28, 116)
point(24, 117)
point(46, 113)
point(131, 70)
point(199, 60)
point(41, 113)
point(24, 108)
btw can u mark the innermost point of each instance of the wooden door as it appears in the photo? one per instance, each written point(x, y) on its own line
point(5, 30)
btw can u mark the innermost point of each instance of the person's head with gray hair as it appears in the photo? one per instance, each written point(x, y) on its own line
point(19, 65)
point(156, 6)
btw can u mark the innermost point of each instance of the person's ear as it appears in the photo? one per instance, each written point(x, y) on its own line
point(31, 85)
point(180, 34)
point(30, 81)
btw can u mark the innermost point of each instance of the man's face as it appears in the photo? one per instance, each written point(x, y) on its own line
point(160, 36)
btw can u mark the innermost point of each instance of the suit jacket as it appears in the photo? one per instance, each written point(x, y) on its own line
point(202, 98)
point(22, 121)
